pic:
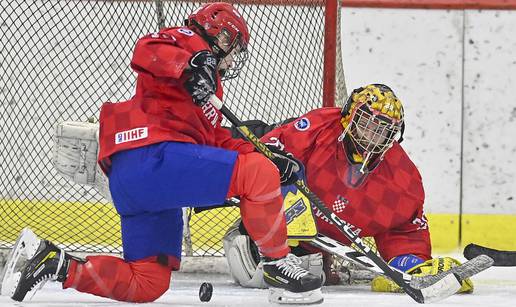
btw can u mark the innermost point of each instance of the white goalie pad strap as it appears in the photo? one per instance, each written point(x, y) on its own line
point(244, 269)
point(75, 155)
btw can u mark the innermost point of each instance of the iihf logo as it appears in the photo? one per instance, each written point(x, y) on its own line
point(302, 124)
point(131, 135)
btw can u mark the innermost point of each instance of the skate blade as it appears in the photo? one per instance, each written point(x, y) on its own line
point(23, 250)
point(282, 296)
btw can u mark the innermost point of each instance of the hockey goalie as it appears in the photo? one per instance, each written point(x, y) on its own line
point(354, 162)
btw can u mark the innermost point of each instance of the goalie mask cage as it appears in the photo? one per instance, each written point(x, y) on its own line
point(60, 60)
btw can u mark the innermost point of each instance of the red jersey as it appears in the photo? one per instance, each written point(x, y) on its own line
point(388, 205)
point(162, 110)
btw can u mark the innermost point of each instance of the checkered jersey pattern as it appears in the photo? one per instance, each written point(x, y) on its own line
point(388, 205)
point(161, 105)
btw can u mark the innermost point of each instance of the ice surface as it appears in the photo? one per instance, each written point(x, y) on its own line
point(494, 287)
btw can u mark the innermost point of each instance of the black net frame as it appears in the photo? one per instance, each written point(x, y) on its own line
point(60, 60)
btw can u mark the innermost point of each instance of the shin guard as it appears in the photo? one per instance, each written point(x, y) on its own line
point(107, 276)
point(256, 180)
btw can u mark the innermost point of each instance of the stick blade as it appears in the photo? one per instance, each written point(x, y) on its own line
point(437, 287)
point(461, 272)
point(443, 288)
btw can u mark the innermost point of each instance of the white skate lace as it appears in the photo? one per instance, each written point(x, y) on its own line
point(290, 267)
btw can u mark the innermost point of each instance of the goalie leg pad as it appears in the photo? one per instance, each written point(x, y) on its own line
point(313, 263)
point(243, 259)
point(243, 269)
point(75, 151)
point(282, 296)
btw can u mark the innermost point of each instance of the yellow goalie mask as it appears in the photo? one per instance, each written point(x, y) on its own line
point(372, 118)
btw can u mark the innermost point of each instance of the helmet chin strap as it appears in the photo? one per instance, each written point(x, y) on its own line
point(355, 157)
point(220, 53)
point(366, 160)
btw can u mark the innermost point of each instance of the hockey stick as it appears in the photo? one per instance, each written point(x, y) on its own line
point(444, 287)
point(475, 265)
point(500, 257)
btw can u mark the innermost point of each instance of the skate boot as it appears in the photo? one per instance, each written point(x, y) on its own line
point(289, 283)
point(30, 264)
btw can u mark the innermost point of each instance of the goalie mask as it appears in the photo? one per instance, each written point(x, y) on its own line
point(226, 31)
point(372, 118)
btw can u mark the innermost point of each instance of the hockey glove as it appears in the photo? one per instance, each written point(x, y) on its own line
point(382, 283)
point(286, 165)
point(203, 80)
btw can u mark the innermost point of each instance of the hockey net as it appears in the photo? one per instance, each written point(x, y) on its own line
point(60, 60)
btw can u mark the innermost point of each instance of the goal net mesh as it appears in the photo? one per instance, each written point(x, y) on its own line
point(60, 60)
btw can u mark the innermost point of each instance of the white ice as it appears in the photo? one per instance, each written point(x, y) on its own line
point(494, 287)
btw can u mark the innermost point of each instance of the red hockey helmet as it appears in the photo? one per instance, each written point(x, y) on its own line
point(225, 30)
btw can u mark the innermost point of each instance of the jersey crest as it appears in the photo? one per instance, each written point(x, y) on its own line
point(340, 204)
point(302, 124)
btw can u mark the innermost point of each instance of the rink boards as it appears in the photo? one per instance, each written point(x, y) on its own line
point(448, 231)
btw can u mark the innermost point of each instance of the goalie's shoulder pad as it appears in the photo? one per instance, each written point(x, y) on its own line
point(243, 262)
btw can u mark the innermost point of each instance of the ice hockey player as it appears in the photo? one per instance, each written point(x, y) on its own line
point(355, 164)
point(164, 149)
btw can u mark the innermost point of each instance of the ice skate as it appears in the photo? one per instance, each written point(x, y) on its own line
point(289, 283)
point(30, 264)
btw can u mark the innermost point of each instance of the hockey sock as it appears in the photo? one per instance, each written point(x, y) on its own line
point(256, 180)
point(107, 276)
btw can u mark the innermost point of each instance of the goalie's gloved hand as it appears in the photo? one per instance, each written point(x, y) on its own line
point(434, 266)
point(202, 82)
point(286, 165)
